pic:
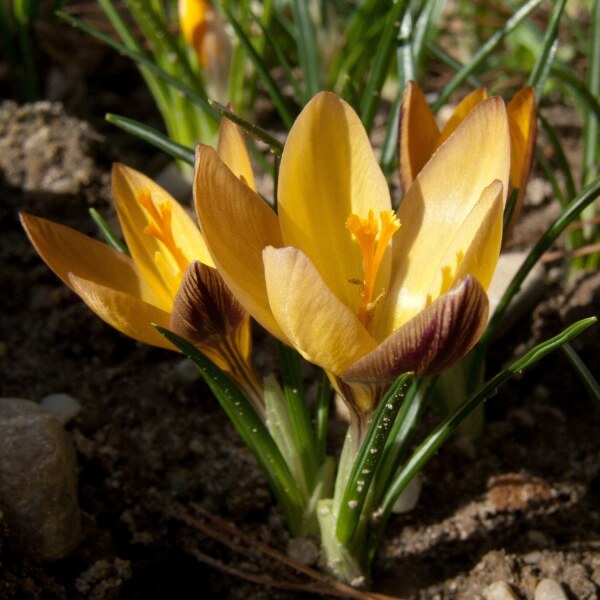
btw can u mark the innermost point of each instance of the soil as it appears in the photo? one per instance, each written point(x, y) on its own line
point(519, 504)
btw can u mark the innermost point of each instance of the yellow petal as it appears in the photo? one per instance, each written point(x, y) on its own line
point(128, 184)
point(128, 314)
point(437, 205)
point(476, 246)
point(419, 134)
point(67, 251)
point(192, 20)
point(328, 172)
point(430, 342)
point(465, 106)
point(522, 122)
point(316, 323)
point(237, 224)
point(231, 148)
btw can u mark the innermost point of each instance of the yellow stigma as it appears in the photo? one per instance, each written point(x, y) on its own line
point(373, 243)
point(160, 227)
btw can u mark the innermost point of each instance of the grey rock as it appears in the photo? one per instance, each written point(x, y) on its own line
point(531, 289)
point(548, 589)
point(303, 550)
point(38, 481)
point(63, 406)
point(186, 372)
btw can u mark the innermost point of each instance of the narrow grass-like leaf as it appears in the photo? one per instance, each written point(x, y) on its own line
point(381, 63)
point(109, 235)
point(560, 156)
point(402, 434)
point(154, 137)
point(454, 64)
point(281, 59)
point(485, 50)
point(302, 432)
point(307, 48)
point(591, 129)
point(389, 151)
point(270, 84)
point(255, 131)
point(250, 427)
point(578, 87)
point(145, 62)
point(546, 56)
point(589, 381)
point(573, 210)
point(322, 416)
point(367, 460)
point(444, 430)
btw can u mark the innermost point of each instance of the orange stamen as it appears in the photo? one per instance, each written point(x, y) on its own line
point(160, 227)
point(373, 244)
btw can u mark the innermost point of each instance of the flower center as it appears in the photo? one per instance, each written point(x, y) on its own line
point(160, 227)
point(373, 242)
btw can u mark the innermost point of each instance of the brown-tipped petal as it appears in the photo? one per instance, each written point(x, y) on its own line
point(418, 134)
point(204, 309)
point(430, 342)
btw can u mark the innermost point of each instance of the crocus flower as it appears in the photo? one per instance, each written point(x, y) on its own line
point(365, 292)
point(420, 136)
point(169, 265)
point(204, 30)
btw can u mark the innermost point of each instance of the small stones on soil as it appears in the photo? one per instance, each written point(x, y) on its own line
point(38, 481)
point(499, 590)
point(63, 406)
point(548, 589)
point(303, 550)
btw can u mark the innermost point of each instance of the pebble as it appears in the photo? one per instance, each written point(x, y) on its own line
point(499, 590)
point(38, 481)
point(64, 407)
point(186, 372)
point(548, 589)
point(409, 497)
point(531, 289)
point(303, 550)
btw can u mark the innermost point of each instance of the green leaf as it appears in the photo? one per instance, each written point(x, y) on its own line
point(444, 430)
point(251, 428)
point(588, 380)
point(485, 51)
point(301, 433)
point(545, 58)
point(305, 42)
point(586, 197)
point(146, 63)
point(381, 64)
point(253, 130)
point(156, 138)
point(270, 84)
point(591, 129)
point(109, 235)
point(367, 460)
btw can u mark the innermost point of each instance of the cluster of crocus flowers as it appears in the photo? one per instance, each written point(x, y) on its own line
point(420, 137)
point(169, 277)
point(203, 29)
point(361, 290)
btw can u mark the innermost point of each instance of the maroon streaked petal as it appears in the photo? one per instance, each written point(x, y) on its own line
point(430, 342)
point(204, 309)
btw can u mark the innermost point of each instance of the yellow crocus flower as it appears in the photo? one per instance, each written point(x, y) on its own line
point(365, 292)
point(420, 136)
point(169, 278)
point(203, 29)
